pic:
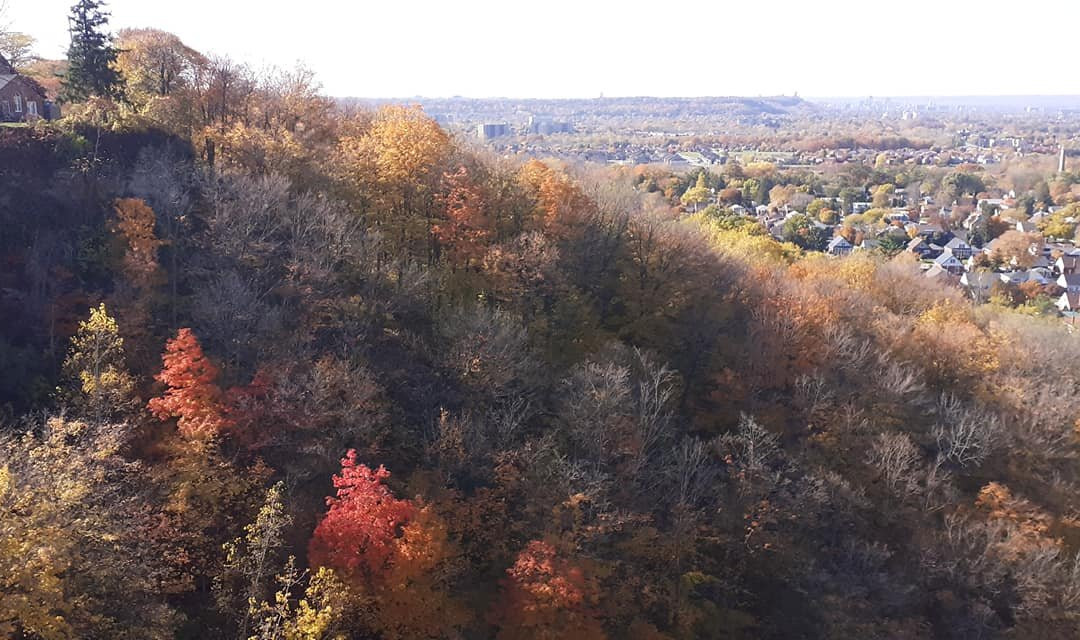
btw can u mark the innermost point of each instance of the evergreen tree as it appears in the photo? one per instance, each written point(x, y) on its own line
point(91, 56)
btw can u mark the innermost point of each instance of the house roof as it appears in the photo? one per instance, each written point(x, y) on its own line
point(1069, 300)
point(839, 241)
point(935, 272)
point(946, 258)
point(955, 243)
point(979, 279)
point(8, 78)
point(1070, 279)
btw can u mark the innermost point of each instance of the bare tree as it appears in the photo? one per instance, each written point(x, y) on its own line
point(594, 408)
point(898, 460)
point(965, 435)
point(652, 422)
point(490, 352)
point(752, 446)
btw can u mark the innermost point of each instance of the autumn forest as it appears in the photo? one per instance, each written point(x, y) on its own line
point(275, 368)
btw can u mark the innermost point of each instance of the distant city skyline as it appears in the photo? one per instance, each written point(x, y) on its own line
point(564, 49)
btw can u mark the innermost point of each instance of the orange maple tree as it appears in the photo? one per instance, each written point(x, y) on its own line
point(467, 226)
point(192, 396)
point(546, 596)
point(135, 222)
point(562, 203)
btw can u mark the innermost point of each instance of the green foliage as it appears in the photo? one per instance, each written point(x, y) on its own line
point(890, 245)
point(91, 70)
point(801, 230)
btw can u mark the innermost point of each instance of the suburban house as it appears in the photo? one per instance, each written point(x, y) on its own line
point(839, 246)
point(868, 244)
point(1067, 264)
point(21, 98)
point(1070, 282)
point(924, 249)
point(935, 272)
point(1069, 301)
point(959, 248)
point(948, 262)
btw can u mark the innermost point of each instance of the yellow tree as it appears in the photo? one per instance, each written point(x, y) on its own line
point(155, 64)
point(71, 543)
point(395, 165)
point(697, 194)
point(98, 384)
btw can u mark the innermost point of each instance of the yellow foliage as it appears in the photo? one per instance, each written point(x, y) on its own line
point(754, 247)
point(320, 611)
point(956, 350)
point(256, 149)
point(402, 146)
point(95, 367)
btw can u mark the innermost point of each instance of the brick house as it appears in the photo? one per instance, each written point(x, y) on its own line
point(21, 98)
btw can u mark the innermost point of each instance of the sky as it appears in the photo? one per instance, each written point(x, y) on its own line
point(585, 48)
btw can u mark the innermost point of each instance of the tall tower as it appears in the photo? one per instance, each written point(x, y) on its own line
point(1061, 160)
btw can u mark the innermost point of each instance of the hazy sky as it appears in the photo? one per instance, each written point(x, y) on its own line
point(582, 48)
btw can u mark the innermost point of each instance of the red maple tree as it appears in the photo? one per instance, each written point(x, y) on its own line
point(357, 535)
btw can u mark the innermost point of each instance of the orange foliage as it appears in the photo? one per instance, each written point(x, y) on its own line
point(412, 602)
point(192, 396)
point(562, 204)
point(135, 222)
point(467, 226)
point(545, 596)
point(395, 553)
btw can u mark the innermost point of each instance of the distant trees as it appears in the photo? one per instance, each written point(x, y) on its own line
point(16, 48)
point(1018, 248)
point(156, 64)
point(801, 230)
point(697, 195)
point(92, 57)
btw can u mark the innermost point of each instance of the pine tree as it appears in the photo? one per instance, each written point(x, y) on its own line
point(91, 56)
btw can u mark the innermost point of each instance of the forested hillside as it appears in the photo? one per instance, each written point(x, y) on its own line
point(271, 370)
